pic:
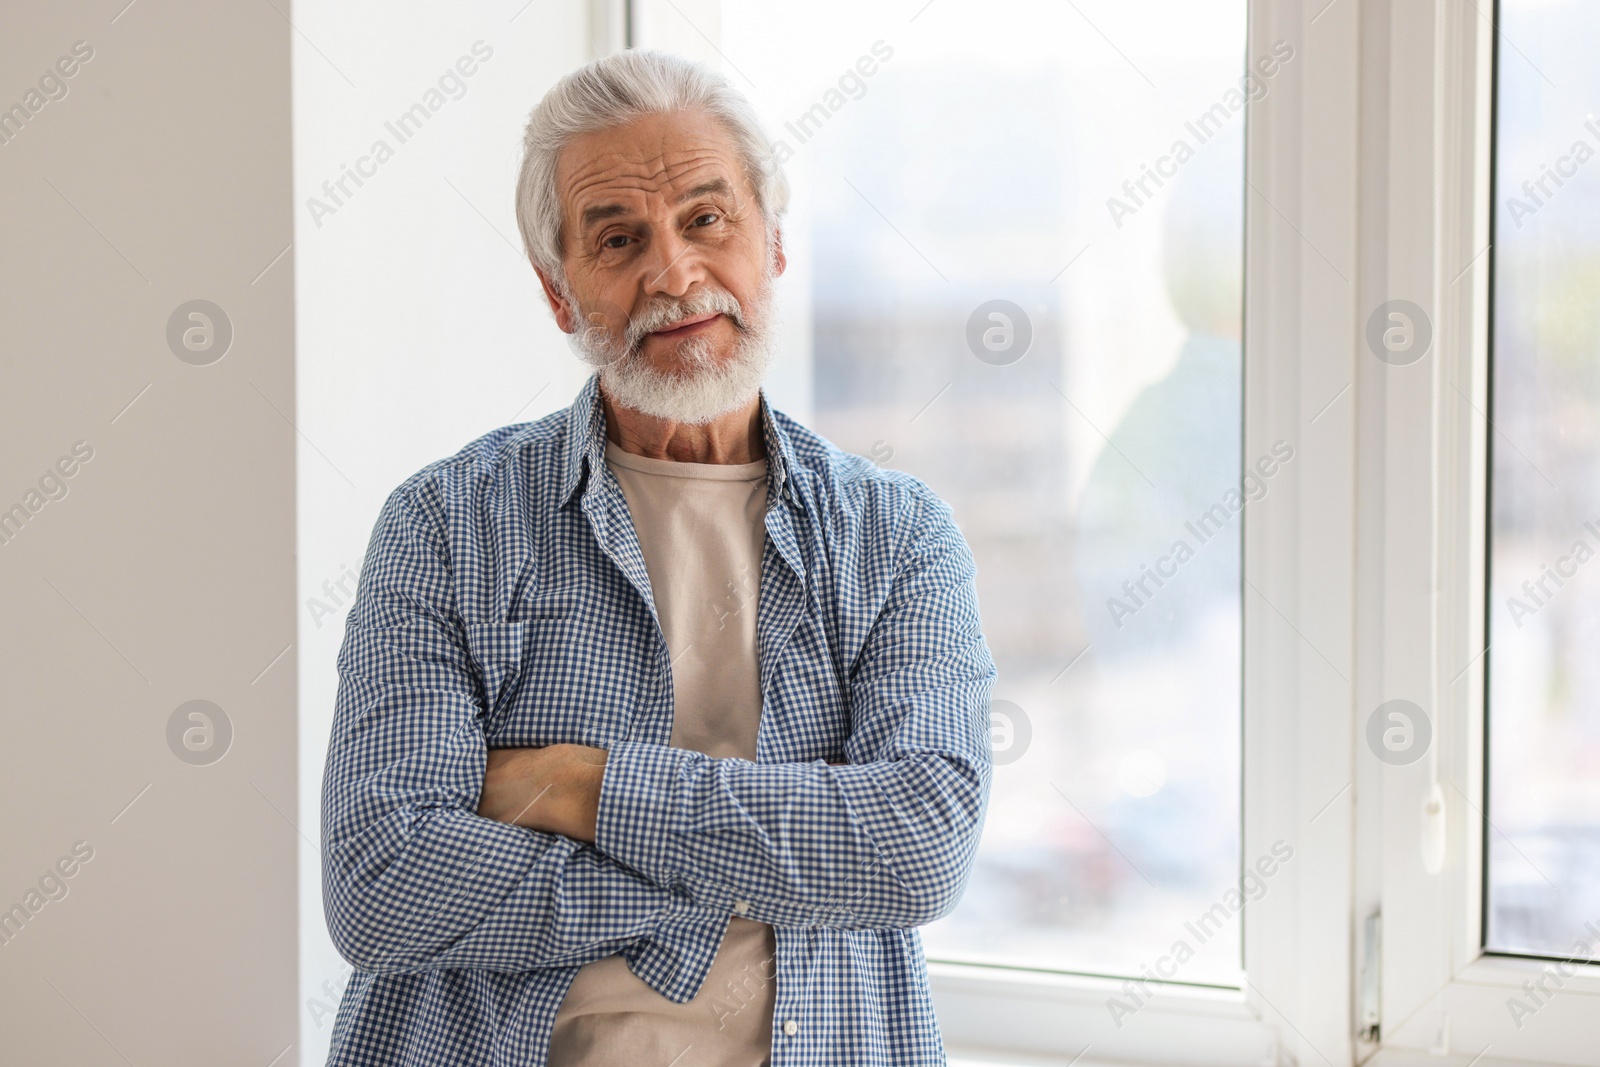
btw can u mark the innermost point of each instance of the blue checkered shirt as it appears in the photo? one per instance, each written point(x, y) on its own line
point(504, 602)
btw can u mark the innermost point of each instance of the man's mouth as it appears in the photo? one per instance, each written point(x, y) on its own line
point(687, 327)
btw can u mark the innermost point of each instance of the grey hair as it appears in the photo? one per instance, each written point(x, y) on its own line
point(613, 91)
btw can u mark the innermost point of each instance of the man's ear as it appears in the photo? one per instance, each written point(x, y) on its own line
point(566, 314)
point(780, 260)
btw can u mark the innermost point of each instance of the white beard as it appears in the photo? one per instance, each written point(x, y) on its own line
point(701, 388)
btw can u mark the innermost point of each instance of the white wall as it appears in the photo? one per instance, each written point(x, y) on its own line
point(420, 325)
point(165, 573)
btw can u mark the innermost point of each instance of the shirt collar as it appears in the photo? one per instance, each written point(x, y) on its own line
point(585, 443)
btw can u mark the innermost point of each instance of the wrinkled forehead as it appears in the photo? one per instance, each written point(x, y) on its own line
point(646, 166)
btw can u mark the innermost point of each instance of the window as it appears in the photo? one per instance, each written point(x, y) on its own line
point(1022, 242)
point(1086, 164)
point(1473, 856)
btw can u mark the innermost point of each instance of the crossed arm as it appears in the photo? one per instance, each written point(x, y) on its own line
point(439, 852)
point(554, 788)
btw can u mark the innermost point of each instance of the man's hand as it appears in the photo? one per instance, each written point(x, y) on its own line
point(555, 788)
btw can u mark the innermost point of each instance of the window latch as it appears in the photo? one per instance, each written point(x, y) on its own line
point(1371, 987)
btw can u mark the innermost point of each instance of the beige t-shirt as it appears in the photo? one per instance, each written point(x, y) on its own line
point(702, 529)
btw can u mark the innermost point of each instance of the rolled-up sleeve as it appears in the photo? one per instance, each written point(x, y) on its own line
point(885, 841)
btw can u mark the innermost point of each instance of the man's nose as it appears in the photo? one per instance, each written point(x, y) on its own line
point(672, 267)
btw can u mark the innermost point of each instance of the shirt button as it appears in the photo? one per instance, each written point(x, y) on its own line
point(741, 906)
point(791, 1027)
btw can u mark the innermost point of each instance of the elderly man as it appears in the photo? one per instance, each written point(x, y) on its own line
point(662, 723)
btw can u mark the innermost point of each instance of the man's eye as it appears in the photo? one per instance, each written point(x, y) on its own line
point(700, 220)
point(618, 237)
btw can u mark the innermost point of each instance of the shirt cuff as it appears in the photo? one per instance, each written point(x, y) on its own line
point(639, 810)
point(675, 960)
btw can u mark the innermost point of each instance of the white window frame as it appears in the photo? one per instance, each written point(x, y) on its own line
point(1423, 594)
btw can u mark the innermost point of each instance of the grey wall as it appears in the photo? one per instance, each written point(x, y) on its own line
point(165, 573)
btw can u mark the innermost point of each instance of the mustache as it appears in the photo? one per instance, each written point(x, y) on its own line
point(664, 311)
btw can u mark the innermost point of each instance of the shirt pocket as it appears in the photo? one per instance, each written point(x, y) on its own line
point(542, 683)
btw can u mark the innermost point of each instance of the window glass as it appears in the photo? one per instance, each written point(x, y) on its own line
point(1542, 841)
point(1016, 243)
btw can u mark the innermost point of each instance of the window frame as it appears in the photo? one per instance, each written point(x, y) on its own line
point(1442, 992)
